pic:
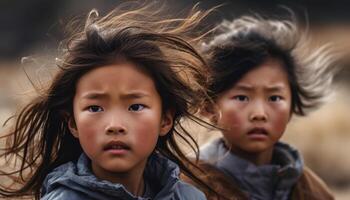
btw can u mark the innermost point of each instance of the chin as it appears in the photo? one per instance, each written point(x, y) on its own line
point(120, 168)
point(256, 149)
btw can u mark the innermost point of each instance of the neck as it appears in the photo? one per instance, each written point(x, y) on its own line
point(258, 158)
point(261, 158)
point(134, 183)
point(132, 180)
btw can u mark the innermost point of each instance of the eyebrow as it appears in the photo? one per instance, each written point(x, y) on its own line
point(244, 87)
point(275, 88)
point(134, 95)
point(102, 95)
point(94, 95)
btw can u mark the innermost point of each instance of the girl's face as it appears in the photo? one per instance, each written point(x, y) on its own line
point(255, 111)
point(118, 118)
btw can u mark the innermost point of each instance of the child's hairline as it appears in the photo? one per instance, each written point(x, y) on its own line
point(120, 60)
point(264, 60)
point(276, 48)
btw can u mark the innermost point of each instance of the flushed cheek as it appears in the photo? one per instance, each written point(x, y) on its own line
point(145, 134)
point(233, 127)
point(89, 130)
point(89, 126)
point(146, 142)
point(280, 120)
point(90, 133)
point(89, 140)
point(231, 119)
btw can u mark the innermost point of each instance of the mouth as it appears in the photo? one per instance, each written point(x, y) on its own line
point(258, 131)
point(116, 145)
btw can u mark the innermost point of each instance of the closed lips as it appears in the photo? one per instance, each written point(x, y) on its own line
point(258, 131)
point(116, 145)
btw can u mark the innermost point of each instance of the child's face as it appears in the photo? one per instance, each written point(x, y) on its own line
point(118, 118)
point(256, 110)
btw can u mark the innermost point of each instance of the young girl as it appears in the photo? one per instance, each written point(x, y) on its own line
point(260, 77)
point(106, 126)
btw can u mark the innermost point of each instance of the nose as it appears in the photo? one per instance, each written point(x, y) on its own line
point(115, 126)
point(258, 112)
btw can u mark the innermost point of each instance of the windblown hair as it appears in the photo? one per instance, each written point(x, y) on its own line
point(245, 43)
point(40, 139)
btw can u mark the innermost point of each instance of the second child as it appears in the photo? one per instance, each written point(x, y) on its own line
point(260, 78)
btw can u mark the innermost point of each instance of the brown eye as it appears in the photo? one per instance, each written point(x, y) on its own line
point(95, 108)
point(136, 107)
point(275, 98)
point(241, 98)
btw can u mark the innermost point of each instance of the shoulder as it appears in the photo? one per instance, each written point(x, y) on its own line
point(53, 185)
point(63, 193)
point(219, 183)
point(312, 186)
point(185, 191)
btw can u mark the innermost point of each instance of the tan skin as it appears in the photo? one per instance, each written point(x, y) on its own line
point(255, 112)
point(118, 118)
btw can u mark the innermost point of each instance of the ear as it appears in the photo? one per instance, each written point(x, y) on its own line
point(167, 122)
point(72, 127)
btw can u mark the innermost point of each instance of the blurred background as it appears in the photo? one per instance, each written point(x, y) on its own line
point(35, 28)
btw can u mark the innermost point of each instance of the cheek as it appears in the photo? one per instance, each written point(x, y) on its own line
point(230, 116)
point(232, 120)
point(146, 139)
point(146, 129)
point(88, 134)
point(89, 142)
point(281, 118)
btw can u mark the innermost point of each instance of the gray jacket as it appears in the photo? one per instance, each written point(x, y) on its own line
point(75, 181)
point(267, 182)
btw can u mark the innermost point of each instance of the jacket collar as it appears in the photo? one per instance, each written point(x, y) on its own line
point(79, 177)
point(273, 181)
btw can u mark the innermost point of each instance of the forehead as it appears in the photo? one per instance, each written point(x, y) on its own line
point(269, 75)
point(123, 77)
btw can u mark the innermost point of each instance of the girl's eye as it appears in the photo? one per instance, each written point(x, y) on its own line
point(275, 98)
point(95, 109)
point(241, 98)
point(136, 107)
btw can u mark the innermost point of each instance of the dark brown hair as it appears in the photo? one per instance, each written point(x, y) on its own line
point(40, 140)
point(245, 43)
